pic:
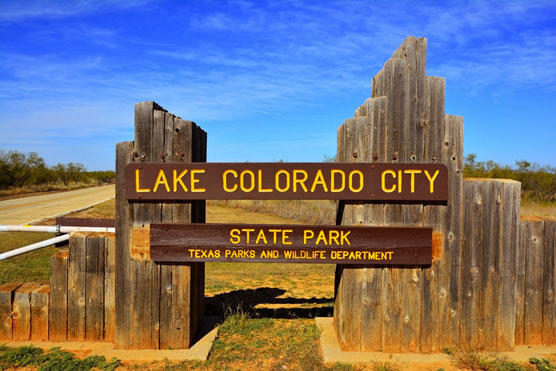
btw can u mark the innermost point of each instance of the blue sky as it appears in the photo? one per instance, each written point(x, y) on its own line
point(268, 80)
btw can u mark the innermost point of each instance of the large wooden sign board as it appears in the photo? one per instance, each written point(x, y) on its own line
point(290, 244)
point(295, 181)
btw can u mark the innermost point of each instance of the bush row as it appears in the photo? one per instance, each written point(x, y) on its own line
point(19, 169)
point(538, 183)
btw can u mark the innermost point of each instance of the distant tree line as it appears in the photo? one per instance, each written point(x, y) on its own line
point(537, 182)
point(19, 169)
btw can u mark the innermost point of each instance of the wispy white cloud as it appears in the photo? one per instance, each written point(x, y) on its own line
point(16, 11)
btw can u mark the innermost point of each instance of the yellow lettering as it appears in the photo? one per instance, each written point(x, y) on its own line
point(299, 181)
point(242, 181)
point(412, 172)
point(399, 181)
point(260, 188)
point(274, 231)
point(321, 237)
point(333, 236)
point(261, 236)
point(285, 236)
point(393, 174)
point(177, 179)
point(195, 180)
point(431, 180)
point(235, 236)
point(307, 235)
point(161, 179)
point(319, 179)
point(277, 181)
point(344, 237)
point(333, 187)
point(247, 232)
point(225, 180)
point(358, 172)
point(137, 187)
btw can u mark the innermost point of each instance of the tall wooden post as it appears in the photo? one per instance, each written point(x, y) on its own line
point(404, 309)
point(157, 306)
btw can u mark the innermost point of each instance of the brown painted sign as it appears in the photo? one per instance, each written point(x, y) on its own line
point(294, 181)
point(290, 244)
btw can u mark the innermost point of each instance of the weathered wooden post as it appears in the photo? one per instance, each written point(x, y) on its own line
point(157, 306)
point(404, 309)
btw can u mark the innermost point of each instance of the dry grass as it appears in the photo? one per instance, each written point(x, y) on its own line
point(18, 192)
point(307, 211)
point(534, 208)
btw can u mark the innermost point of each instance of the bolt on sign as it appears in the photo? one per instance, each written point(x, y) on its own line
point(385, 182)
point(290, 244)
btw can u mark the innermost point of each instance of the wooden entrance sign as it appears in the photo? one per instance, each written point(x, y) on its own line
point(262, 243)
point(293, 181)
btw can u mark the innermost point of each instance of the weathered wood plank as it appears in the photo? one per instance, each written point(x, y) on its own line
point(490, 269)
point(473, 216)
point(77, 286)
point(124, 218)
point(521, 256)
point(58, 321)
point(39, 313)
point(549, 284)
point(94, 287)
point(509, 234)
point(449, 273)
point(372, 285)
point(109, 287)
point(7, 292)
point(21, 320)
point(534, 249)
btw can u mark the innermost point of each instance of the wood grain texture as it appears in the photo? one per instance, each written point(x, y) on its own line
point(58, 321)
point(521, 256)
point(124, 215)
point(157, 314)
point(39, 313)
point(7, 292)
point(549, 284)
point(21, 320)
point(109, 287)
point(533, 240)
point(77, 286)
point(94, 287)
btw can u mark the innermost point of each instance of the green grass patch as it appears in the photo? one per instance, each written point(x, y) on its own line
point(30, 267)
point(477, 361)
point(53, 360)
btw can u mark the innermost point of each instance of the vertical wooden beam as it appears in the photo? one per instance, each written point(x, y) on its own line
point(509, 236)
point(534, 250)
point(77, 286)
point(549, 284)
point(471, 262)
point(109, 287)
point(124, 218)
point(372, 292)
point(58, 321)
point(94, 287)
point(21, 323)
point(521, 256)
point(7, 292)
point(39, 313)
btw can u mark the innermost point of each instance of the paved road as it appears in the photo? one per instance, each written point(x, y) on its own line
point(31, 209)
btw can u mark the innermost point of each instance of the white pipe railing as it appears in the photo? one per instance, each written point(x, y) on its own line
point(46, 228)
point(35, 246)
point(53, 229)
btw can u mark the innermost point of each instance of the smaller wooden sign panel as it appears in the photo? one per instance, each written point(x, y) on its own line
point(255, 243)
